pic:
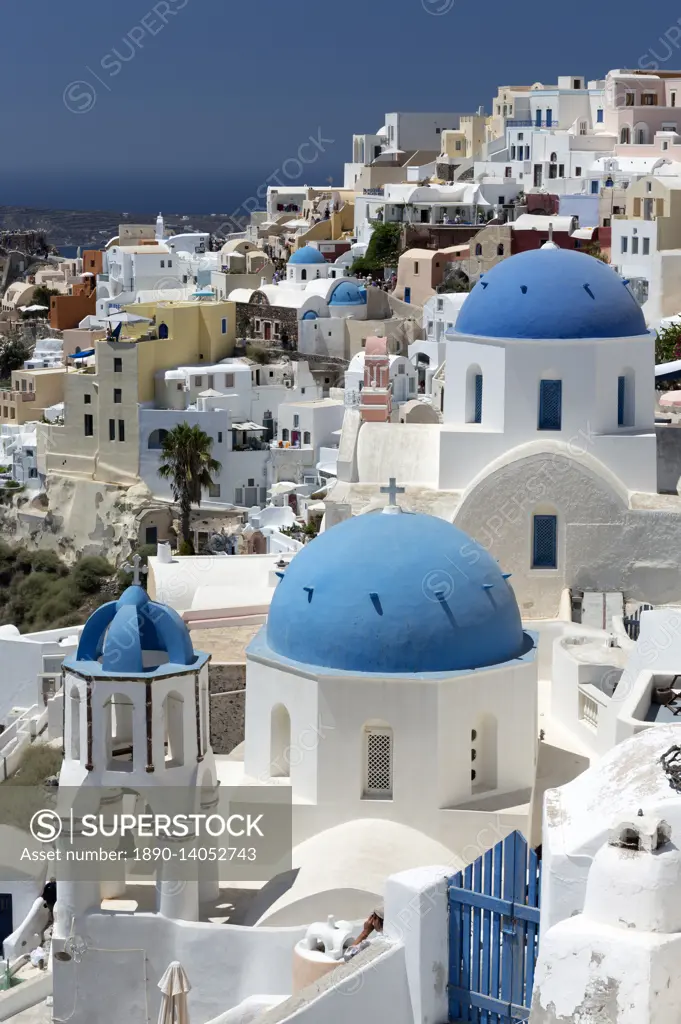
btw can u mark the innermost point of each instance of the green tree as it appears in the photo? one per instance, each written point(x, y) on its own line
point(42, 296)
point(189, 466)
point(667, 350)
point(384, 249)
point(13, 354)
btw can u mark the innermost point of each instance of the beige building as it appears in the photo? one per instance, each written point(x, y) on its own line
point(488, 247)
point(99, 439)
point(421, 271)
point(32, 392)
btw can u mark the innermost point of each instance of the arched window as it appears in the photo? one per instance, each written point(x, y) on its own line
point(478, 249)
point(484, 745)
point(284, 434)
point(74, 719)
point(626, 398)
point(474, 385)
point(641, 134)
point(303, 275)
point(500, 249)
point(625, 136)
point(378, 761)
point(156, 439)
point(554, 158)
point(280, 742)
point(118, 724)
point(163, 330)
point(306, 437)
point(173, 739)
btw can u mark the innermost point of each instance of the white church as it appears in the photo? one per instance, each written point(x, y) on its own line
point(546, 452)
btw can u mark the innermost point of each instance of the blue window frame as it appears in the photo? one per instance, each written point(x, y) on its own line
point(621, 393)
point(537, 119)
point(599, 115)
point(224, 325)
point(595, 188)
point(478, 398)
point(550, 404)
point(544, 542)
point(549, 117)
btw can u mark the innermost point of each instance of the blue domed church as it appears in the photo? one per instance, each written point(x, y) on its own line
point(546, 452)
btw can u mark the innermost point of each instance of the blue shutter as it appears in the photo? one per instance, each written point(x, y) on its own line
point(478, 398)
point(550, 404)
point(544, 542)
point(621, 391)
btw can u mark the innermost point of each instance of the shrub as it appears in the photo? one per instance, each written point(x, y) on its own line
point(88, 573)
point(48, 561)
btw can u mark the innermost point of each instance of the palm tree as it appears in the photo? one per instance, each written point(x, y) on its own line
point(186, 461)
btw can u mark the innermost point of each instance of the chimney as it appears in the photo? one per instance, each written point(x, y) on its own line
point(164, 553)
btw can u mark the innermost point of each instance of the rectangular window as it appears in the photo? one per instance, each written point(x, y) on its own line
point(219, 437)
point(229, 380)
point(379, 763)
point(521, 136)
point(87, 399)
point(224, 325)
point(238, 496)
point(118, 396)
point(595, 188)
point(527, 152)
point(561, 170)
point(170, 263)
point(549, 117)
point(599, 115)
point(214, 491)
point(416, 268)
point(512, 152)
point(621, 392)
point(121, 430)
point(163, 263)
point(578, 172)
point(112, 430)
point(630, 99)
point(118, 365)
point(544, 542)
point(477, 416)
point(624, 244)
point(198, 382)
point(673, 99)
point(646, 247)
point(550, 404)
point(508, 172)
point(634, 246)
point(23, 384)
point(88, 425)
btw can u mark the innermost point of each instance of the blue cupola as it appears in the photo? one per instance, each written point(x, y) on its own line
point(307, 255)
point(134, 636)
point(551, 293)
point(347, 293)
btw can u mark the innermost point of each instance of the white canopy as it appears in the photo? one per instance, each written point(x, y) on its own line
point(174, 985)
point(128, 318)
point(283, 487)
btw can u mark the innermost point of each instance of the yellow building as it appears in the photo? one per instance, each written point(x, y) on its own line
point(32, 392)
point(100, 436)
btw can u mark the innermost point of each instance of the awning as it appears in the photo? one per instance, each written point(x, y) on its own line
point(248, 426)
point(82, 355)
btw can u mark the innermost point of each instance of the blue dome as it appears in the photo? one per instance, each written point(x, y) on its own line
point(310, 315)
point(393, 594)
point(307, 255)
point(551, 293)
point(347, 293)
point(117, 635)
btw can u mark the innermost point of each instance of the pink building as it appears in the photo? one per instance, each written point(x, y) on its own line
point(638, 107)
point(375, 397)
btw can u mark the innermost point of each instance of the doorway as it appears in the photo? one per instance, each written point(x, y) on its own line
point(537, 175)
point(6, 927)
point(268, 331)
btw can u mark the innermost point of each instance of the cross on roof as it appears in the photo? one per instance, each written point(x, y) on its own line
point(136, 569)
point(392, 490)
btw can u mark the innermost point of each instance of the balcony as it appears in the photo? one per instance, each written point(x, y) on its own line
point(16, 396)
point(514, 123)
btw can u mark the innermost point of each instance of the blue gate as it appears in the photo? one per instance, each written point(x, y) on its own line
point(494, 934)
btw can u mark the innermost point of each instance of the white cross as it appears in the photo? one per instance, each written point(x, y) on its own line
point(392, 490)
point(136, 569)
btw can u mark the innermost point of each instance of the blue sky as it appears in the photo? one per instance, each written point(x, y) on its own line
point(205, 98)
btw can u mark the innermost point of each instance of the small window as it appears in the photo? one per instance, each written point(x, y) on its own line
point(121, 430)
point(118, 396)
point(296, 421)
point(88, 425)
point(163, 263)
point(416, 268)
point(478, 249)
point(306, 437)
point(544, 542)
point(229, 380)
point(621, 395)
point(251, 482)
point(118, 365)
point(599, 115)
point(624, 244)
point(214, 491)
point(634, 246)
point(378, 776)
point(500, 249)
point(219, 437)
point(595, 188)
point(284, 434)
point(198, 382)
point(112, 430)
point(646, 247)
point(23, 384)
point(550, 404)
point(440, 304)
point(578, 172)
point(224, 325)
point(87, 399)
point(673, 99)
point(478, 399)
point(630, 99)
point(170, 263)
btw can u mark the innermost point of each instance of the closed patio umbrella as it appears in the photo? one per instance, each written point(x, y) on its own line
point(174, 985)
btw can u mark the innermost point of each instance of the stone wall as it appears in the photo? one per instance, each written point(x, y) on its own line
point(227, 705)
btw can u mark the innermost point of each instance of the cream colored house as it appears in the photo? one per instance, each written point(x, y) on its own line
point(32, 392)
point(100, 436)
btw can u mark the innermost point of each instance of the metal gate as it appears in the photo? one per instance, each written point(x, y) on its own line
point(494, 934)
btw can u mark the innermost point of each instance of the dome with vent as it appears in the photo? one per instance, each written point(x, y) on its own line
point(391, 594)
point(134, 636)
point(307, 255)
point(551, 293)
point(347, 293)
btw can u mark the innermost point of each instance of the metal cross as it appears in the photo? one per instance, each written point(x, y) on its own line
point(392, 490)
point(136, 569)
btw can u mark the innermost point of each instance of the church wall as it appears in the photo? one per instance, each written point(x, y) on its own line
point(409, 452)
point(602, 544)
point(463, 359)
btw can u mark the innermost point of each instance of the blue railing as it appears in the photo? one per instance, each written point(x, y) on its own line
point(511, 123)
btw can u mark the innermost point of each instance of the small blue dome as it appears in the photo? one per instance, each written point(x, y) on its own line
point(551, 293)
point(117, 635)
point(347, 293)
point(310, 315)
point(307, 255)
point(394, 594)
